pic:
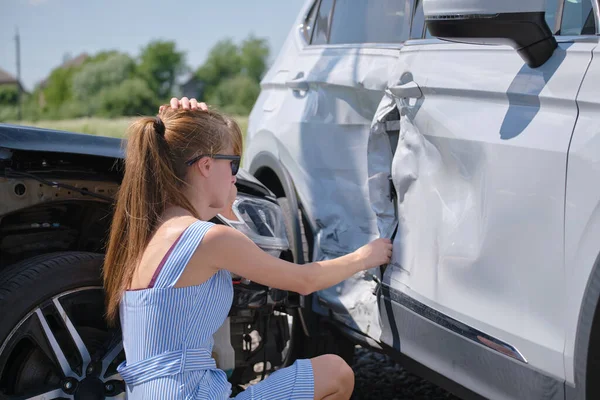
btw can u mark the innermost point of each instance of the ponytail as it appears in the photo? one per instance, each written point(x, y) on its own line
point(149, 184)
point(154, 178)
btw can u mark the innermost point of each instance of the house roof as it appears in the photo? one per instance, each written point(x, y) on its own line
point(5, 77)
point(73, 62)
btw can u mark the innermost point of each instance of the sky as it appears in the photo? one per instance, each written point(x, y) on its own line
point(49, 29)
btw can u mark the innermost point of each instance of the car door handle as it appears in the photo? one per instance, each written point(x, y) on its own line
point(408, 90)
point(298, 84)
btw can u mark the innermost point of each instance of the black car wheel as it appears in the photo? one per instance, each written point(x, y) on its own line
point(54, 341)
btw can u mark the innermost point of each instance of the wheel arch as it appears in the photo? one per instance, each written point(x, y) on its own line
point(272, 173)
point(57, 226)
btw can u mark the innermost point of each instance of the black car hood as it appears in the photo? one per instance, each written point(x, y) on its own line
point(16, 137)
point(26, 138)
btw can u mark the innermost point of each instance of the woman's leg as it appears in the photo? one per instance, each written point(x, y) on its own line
point(334, 379)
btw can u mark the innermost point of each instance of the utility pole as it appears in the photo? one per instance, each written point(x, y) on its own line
point(20, 89)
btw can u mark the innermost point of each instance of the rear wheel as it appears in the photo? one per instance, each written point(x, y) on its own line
point(328, 339)
point(54, 341)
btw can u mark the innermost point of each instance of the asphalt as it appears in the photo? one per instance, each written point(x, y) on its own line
point(378, 377)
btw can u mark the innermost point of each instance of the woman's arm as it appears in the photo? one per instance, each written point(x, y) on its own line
point(226, 248)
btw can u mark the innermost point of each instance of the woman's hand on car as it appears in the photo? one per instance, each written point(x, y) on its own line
point(185, 103)
point(376, 253)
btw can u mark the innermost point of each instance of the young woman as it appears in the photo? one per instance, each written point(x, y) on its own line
point(167, 270)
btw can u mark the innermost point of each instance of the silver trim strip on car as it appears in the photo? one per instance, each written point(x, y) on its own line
point(459, 16)
point(455, 326)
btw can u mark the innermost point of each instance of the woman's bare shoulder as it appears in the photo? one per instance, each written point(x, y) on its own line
point(220, 240)
point(167, 233)
point(223, 234)
point(163, 238)
point(173, 226)
point(209, 255)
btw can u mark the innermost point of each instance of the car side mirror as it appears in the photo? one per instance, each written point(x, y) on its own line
point(520, 24)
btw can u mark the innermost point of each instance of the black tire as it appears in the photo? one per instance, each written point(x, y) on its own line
point(29, 293)
point(329, 340)
point(26, 284)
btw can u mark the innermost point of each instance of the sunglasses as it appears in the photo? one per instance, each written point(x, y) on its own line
point(235, 160)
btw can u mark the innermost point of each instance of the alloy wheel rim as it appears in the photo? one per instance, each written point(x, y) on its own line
point(77, 361)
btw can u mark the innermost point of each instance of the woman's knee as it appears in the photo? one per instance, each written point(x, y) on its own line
point(345, 372)
point(347, 375)
point(333, 372)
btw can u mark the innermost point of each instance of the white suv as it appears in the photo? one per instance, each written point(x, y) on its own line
point(477, 153)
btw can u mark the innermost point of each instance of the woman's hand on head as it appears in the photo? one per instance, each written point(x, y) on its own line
point(184, 103)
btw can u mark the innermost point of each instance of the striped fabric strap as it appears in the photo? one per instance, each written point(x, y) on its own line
point(165, 364)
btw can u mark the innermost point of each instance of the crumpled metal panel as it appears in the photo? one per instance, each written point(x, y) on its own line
point(332, 178)
point(379, 162)
point(314, 115)
point(328, 161)
point(355, 300)
point(479, 169)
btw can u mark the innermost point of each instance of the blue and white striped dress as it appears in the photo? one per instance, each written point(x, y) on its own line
point(168, 337)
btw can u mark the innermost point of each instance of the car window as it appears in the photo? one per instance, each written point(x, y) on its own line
point(428, 34)
point(368, 21)
point(551, 12)
point(309, 22)
point(321, 33)
point(577, 18)
point(418, 22)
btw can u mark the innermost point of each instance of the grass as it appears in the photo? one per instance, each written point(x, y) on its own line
point(101, 126)
point(93, 126)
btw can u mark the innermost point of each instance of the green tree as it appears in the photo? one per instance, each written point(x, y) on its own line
point(223, 62)
point(57, 91)
point(131, 97)
point(9, 95)
point(102, 55)
point(236, 95)
point(105, 72)
point(58, 87)
point(231, 74)
point(160, 64)
point(254, 55)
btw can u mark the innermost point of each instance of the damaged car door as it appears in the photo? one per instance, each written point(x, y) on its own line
point(332, 85)
point(467, 160)
point(349, 77)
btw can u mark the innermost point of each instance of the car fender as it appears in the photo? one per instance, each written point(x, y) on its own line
point(267, 160)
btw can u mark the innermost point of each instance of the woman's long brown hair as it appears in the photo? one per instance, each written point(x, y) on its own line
point(155, 172)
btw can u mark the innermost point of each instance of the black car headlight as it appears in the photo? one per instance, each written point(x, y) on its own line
point(260, 220)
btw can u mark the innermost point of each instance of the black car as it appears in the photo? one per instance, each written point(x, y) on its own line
point(57, 190)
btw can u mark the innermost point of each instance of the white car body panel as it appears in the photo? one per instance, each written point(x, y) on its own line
point(497, 222)
point(582, 210)
point(472, 202)
point(322, 142)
